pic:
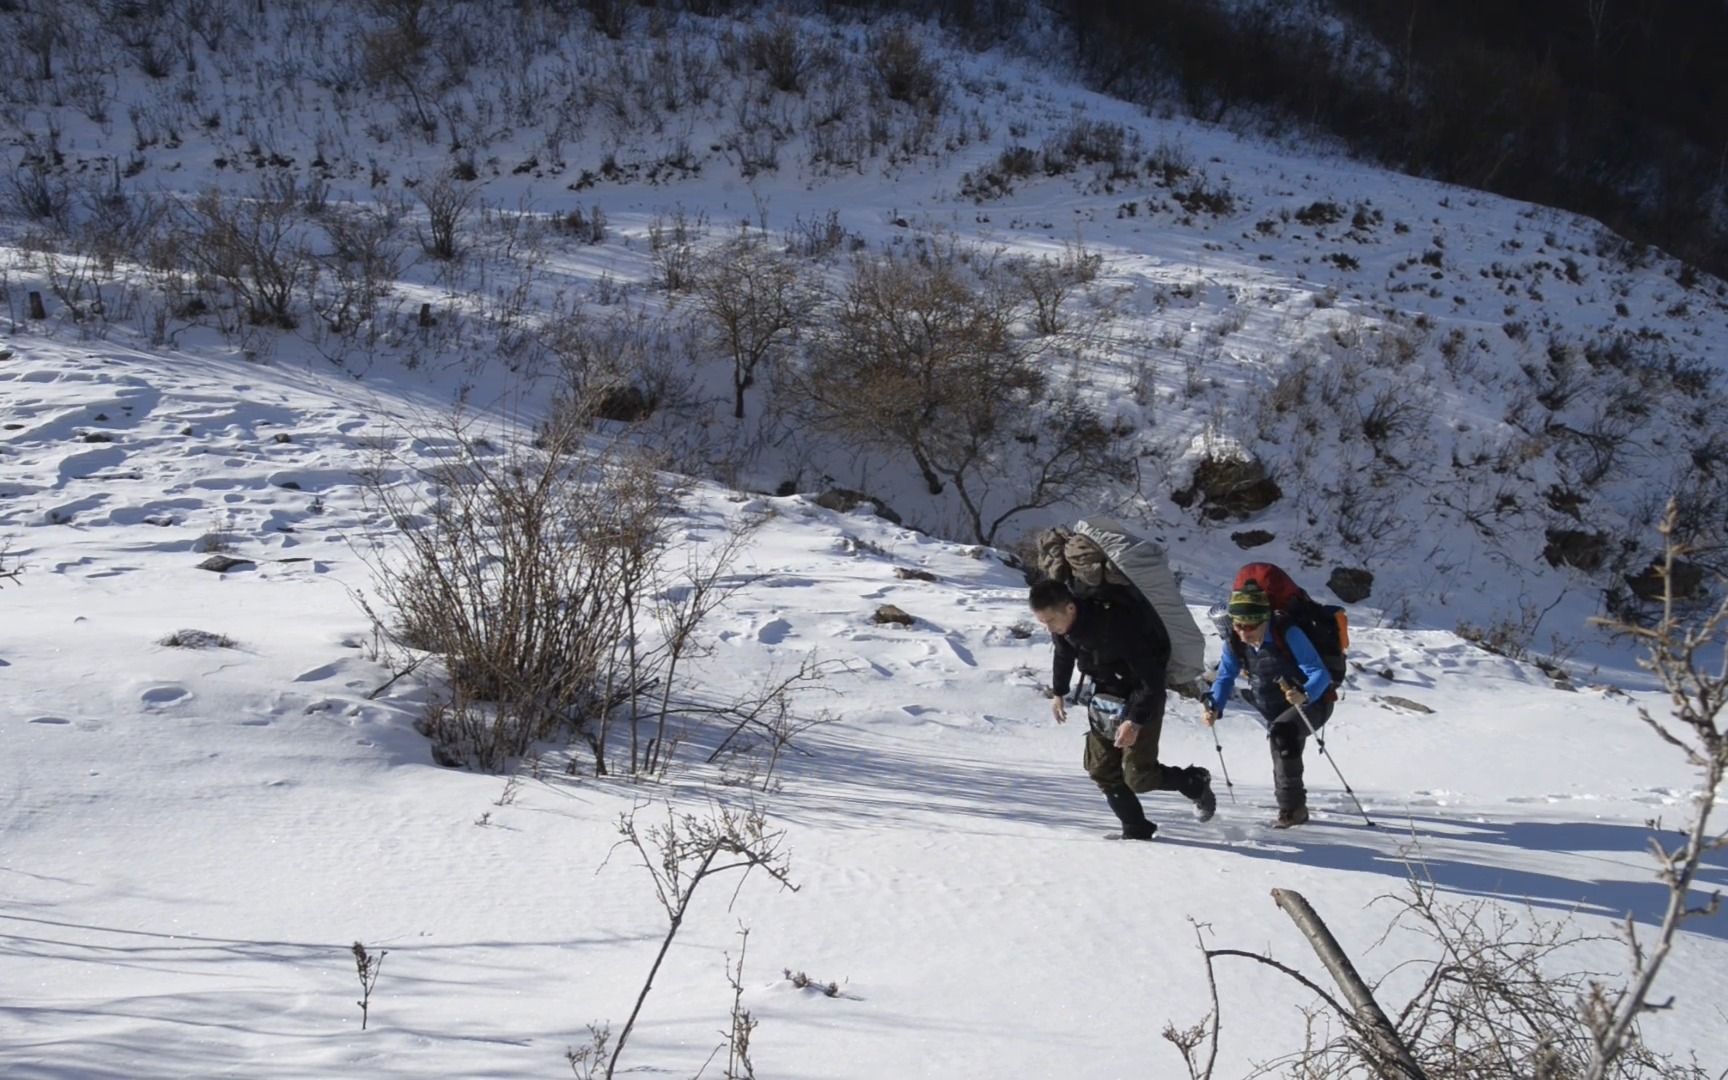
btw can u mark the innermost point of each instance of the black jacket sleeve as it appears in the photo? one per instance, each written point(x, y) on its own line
point(1063, 668)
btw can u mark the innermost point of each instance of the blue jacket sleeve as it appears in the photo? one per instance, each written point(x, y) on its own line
point(1228, 668)
point(1308, 659)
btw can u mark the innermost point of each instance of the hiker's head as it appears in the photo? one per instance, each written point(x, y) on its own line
point(1249, 613)
point(1053, 606)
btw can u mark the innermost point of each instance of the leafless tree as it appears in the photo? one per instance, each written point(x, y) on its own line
point(753, 301)
point(920, 357)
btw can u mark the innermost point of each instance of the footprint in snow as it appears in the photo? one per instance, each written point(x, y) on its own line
point(158, 696)
point(773, 633)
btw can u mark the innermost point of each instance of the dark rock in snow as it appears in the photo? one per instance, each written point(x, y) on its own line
point(845, 500)
point(908, 574)
point(888, 613)
point(1229, 487)
point(626, 404)
point(1574, 547)
point(1350, 586)
point(1252, 538)
point(221, 564)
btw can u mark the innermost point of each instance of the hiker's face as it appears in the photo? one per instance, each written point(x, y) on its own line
point(1252, 634)
point(1057, 620)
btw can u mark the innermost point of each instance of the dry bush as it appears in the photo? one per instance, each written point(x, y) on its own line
point(1091, 142)
point(1048, 283)
point(9, 568)
point(919, 357)
point(617, 365)
point(116, 226)
point(253, 247)
point(779, 52)
point(672, 247)
point(361, 266)
point(1396, 413)
point(590, 228)
point(904, 72)
point(35, 193)
point(814, 237)
point(516, 570)
point(753, 300)
point(446, 200)
point(679, 856)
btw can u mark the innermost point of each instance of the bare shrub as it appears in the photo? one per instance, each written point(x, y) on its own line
point(779, 52)
point(816, 236)
point(619, 365)
point(753, 301)
point(679, 856)
point(361, 266)
point(197, 639)
point(515, 571)
point(903, 71)
point(34, 193)
point(611, 18)
point(43, 29)
point(1092, 142)
point(920, 358)
point(395, 55)
point(446, 200)
point(672, 247)
point(1048, 283)
point(1396, 413)
point(115, 225)
point(1169, 162)
point(253, 247)
point(590, 228)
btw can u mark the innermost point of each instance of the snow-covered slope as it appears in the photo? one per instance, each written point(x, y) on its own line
point(194, 837)
point(1507, 393)
point(191, 838)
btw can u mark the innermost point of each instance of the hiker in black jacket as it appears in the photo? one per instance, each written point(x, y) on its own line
point(1118, 640)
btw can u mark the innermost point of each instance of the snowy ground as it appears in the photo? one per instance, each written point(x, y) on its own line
point(190, 839)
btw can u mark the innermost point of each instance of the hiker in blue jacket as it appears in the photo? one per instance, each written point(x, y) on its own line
point(1287, 676)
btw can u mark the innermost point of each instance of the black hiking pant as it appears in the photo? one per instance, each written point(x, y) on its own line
point(1288, 736)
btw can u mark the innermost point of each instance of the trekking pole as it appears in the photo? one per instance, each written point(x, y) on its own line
point(1320, 741)
point(1218, 746)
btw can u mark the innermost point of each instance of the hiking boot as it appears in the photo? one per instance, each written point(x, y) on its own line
point(1145, 830)
point(1205, 803)
point(1294, 816)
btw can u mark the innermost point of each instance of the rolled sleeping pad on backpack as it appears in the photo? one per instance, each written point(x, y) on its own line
point(1145, 564)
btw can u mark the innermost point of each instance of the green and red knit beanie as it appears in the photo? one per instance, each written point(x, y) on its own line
point(1248, 604)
